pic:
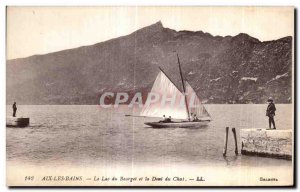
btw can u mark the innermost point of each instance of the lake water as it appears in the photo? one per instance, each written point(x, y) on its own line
point(89, 135)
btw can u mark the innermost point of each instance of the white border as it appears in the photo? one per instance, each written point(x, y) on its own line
point(5, 3)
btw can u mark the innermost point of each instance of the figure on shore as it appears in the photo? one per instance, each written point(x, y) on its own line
point(14, 109)
point(271, 112)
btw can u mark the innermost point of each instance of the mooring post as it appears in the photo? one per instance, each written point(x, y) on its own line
point(235, 141)
point(226, 141)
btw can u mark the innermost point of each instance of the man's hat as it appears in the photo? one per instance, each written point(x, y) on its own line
point(270, 99)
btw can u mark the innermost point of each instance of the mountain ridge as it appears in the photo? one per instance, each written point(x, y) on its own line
point(217, 36)
point(131, 62)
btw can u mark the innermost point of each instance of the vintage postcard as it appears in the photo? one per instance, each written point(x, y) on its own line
point(150, 96)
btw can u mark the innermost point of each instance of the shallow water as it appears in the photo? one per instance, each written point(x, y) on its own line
point(89, 135)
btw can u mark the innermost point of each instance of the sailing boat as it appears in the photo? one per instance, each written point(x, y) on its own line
point(186, 108)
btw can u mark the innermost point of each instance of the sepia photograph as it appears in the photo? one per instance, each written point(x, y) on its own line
point(167, 96)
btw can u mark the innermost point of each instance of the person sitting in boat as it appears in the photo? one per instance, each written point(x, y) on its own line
point(164, 119)
point(194, 116)
point(169, 120)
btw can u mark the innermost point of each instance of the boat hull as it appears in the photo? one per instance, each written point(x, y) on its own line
point(183, 124)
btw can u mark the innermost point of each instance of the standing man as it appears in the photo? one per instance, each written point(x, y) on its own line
point(14, 109)
point(271, 112)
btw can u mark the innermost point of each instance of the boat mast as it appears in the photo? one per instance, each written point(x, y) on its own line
point(183, 86)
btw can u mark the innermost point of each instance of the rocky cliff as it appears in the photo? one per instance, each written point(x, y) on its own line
point(238, 69)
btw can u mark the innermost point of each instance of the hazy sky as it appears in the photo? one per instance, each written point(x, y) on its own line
point(39, 30)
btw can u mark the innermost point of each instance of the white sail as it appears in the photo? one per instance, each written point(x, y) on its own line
point(194, 104)
point(166, 90)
